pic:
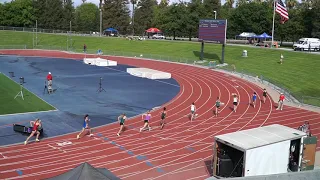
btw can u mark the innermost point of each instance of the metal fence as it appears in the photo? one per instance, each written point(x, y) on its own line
point(52, 31)
point(291, 97)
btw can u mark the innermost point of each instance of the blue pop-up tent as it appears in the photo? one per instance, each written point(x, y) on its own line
point(264, 36)
point(112, 30)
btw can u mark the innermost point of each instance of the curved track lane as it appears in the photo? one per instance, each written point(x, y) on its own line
point(181, 150)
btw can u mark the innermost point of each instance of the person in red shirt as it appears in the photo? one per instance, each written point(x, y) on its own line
point(49, 76)
point(49, 79)
point(280, 102)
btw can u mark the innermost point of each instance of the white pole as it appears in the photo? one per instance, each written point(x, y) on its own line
point(274, 14)
point(100, 22)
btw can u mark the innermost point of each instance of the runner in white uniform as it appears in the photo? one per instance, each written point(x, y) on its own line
point(193, 111)
point(235, 102)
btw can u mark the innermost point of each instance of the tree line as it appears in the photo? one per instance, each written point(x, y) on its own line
point(176, 19)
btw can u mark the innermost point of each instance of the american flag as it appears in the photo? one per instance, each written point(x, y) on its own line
point(282, 11)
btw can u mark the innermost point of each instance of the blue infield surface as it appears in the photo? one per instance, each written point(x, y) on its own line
point(76, 86)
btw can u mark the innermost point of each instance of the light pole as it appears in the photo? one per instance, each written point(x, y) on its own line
point(100, 22)
point(101, 6)
point(133, 19)
point(215, 14)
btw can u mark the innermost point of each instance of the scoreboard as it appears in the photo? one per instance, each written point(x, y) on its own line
point(213, 30)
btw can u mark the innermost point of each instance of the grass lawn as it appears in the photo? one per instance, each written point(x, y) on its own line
point(8, 105)
point(299, 73)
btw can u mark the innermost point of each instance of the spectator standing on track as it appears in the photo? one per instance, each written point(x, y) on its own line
point(264, 95)
point(235, 102)
point(254, 99)
point(280, 102)
point(163, 117)
point(49, 82)
point(146, 118)
point(36, 126)
point(85, 126)
point(121, 120)
point(218, 104)
point(193, 111)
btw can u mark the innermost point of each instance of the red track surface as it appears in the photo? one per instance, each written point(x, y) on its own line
point(182, 150)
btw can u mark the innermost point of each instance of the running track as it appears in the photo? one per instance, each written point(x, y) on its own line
point(182, 150)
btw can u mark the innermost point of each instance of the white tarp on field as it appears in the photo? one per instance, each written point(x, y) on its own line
point(99, 62)
point(148, 73)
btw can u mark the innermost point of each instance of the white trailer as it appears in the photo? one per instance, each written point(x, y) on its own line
point(307, 44)
point(264, 150)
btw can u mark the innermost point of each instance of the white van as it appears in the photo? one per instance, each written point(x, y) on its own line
point(305, 44)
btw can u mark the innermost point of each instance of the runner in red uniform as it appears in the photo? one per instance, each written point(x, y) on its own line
point(36, 124)
point(280, 102)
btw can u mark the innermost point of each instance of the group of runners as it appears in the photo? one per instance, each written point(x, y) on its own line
point(147, 116)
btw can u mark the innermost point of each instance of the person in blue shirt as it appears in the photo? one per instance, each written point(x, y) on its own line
point(254, 99)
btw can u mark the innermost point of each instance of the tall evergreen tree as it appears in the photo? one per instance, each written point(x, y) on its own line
point(144, 15)
point(68, 15)
point(116, 14)
point(49, 13)
point(210, 6)
point(195, 9)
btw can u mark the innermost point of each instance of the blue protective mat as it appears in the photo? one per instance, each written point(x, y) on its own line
point(76, 94)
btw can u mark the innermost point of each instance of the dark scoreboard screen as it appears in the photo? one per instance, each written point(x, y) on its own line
point(213, 30)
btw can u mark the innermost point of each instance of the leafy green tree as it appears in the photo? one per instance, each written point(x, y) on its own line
point(316, 21)
point(229, 3)
point(193, 15)
point(174, 19)
point(116, 14)
point(210, 6)
point(2, 14)
point(19, 13)
point(87, 17)
point(251, 17)
point(144, 15)
point(160, 16)
point(291, 3)
point(293, 29)
point(241, 2)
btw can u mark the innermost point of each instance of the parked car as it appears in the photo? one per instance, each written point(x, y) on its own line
point(158, 36)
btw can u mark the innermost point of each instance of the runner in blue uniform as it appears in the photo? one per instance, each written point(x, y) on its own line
point(254, 99)
point(85, 126)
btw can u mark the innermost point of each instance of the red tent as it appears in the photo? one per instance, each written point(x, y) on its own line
point(153, 30)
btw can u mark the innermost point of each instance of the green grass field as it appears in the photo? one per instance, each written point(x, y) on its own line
point(8, 105)
point(299, 73)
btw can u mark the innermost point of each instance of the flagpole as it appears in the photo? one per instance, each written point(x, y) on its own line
point(274, 15)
